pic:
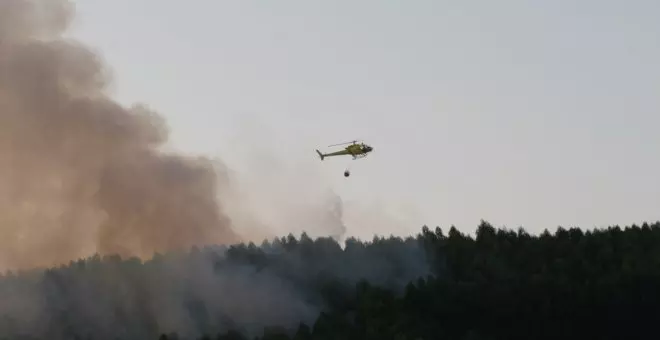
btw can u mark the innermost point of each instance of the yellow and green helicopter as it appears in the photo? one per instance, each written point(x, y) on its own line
point(355, 149)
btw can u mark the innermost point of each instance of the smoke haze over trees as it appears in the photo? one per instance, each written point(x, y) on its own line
point(208, 290)
point(501, 284)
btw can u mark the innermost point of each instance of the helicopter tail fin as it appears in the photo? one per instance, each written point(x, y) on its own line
point(320, 154)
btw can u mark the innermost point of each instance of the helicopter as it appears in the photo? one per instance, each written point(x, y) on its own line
point(355, 149)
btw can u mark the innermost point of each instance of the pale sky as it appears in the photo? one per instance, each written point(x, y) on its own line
point(523, 113)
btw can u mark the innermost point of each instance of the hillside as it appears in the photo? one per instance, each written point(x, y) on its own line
point(501, 284)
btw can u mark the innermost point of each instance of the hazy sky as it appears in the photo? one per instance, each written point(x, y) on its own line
point(532, 113)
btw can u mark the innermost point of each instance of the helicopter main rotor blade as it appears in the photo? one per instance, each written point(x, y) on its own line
point(353, 142)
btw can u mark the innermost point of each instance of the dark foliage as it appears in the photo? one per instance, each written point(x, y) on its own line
point(502, 284)
point(499, 284)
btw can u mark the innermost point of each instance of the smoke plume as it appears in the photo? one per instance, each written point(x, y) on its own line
point(80, 173)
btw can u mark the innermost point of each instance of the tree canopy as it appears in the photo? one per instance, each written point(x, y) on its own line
point(498, 284)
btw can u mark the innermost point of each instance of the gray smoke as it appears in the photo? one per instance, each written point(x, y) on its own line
point(81, 174)
point(205, 291)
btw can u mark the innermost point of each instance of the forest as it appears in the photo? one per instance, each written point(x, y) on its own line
point(497, 284)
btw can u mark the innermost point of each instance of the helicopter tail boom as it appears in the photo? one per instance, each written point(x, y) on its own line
point(320, 154)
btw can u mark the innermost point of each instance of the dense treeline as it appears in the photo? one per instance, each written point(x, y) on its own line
point(204, 291)
point(503, 284)
point(499, 284)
